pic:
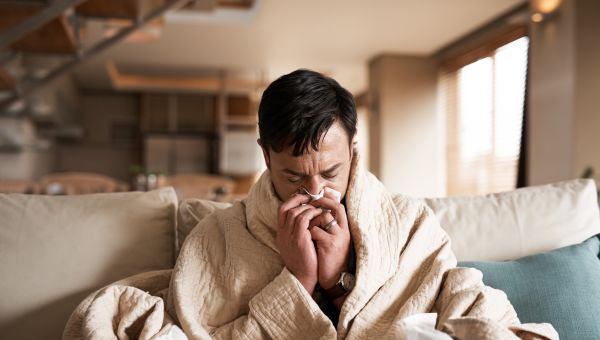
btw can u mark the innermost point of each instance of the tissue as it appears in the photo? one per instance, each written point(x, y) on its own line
point(314, 197)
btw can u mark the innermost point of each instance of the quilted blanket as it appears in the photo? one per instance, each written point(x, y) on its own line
point(229, 281)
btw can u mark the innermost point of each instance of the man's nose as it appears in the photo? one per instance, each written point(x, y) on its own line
point(315, 185)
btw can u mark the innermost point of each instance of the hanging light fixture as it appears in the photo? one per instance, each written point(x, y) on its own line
point(542, 10)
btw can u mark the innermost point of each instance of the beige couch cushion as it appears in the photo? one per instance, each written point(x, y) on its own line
point(493, 227)
point(518, 223)
point(54, 250)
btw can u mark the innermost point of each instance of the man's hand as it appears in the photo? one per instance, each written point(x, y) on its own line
point(333, 244)
point(294, 240)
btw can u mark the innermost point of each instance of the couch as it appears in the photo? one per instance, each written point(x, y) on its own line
point(55, 250)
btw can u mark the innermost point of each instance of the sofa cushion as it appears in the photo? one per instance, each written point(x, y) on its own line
point(190, 212)
point(55, 250)
point(491, 227)
point(518, 223)
point(559, 287)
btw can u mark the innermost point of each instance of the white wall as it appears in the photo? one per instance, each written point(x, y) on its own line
point(564, 90)
point(551, 97)
point(587, 87)
point(406, 153)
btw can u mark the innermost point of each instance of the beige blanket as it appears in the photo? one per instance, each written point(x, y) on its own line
point(229, 281)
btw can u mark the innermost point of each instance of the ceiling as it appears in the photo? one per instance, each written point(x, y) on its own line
point(337, 37)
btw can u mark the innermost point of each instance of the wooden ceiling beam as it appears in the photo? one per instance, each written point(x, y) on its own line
point(123, 81)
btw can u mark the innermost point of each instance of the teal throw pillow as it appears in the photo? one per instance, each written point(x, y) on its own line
point(561, 287)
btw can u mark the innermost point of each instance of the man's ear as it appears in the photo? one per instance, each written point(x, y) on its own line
point(265, 154)
point(353, 145)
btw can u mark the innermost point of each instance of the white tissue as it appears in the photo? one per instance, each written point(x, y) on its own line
point(422, 327)
point(174, 333)
point(314, 197)
point(337, 194)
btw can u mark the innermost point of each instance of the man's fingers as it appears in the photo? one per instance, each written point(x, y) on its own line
point(337, 208)
point(291, 203)
point(322, 220)
point(318, 234)
point(292, 214)
point(302, 221)
point(318, 221)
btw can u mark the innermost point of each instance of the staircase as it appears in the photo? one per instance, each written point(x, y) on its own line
point(57, 28)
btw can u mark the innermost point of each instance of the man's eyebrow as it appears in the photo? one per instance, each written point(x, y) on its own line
point(294, 173)
point(299, 174)
point(333, 168)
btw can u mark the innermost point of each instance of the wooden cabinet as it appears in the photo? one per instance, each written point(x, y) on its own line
point(196, 113)
point(186, 132)
point(155, 113)
point(176, 155)
point(178, 113)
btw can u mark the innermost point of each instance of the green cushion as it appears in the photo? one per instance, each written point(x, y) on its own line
point(561, 287)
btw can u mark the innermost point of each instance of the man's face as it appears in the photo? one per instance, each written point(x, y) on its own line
point(314, 170)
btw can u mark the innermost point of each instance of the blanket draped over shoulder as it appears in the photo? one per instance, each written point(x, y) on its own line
point(229, 280)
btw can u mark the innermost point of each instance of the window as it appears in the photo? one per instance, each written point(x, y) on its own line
point(484, 103)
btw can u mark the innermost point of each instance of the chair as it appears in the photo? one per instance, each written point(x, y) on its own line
point(204, 186)
point(76, 183)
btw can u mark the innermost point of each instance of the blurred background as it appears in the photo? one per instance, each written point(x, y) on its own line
point(455, 97)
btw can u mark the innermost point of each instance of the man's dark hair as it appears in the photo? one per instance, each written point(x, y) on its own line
point(299, 107)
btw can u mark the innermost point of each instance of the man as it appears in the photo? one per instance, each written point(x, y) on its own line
point(295, 260)
point(310, 147)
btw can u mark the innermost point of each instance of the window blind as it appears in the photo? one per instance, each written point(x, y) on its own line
point(483, 103)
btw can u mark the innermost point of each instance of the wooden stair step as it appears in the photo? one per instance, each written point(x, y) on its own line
point(238, 4)
point(117, 9)
point(55, 37)
point(211, 5)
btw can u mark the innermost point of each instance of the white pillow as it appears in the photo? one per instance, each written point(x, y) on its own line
point(55, 250)
point(518, 223)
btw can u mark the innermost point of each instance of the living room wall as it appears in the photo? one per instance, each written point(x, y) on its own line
point(407, 151)
point(587, 86)
point(564, 78)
